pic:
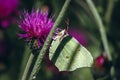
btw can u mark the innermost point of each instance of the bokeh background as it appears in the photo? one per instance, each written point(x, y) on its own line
point(13, 51)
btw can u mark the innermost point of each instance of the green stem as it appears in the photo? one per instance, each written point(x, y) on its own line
point(102, 32)
point(109, 10)
point(37, 65)
point(27, 67)
point(101, 28)
point(25, 58)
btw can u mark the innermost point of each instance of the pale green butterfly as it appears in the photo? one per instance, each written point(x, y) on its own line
point(67, 54)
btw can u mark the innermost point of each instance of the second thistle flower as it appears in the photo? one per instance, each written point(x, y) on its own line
point(36, 26)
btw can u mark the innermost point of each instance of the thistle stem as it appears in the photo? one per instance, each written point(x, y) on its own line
point(25, 58)
point(27, 67)
point(101, 28)
point(37, 65)
point(109, 10)
point(102, 32)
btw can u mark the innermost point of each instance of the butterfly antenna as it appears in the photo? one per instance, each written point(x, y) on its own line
point(67, 24)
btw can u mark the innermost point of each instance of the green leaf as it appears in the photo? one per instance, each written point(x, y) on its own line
point(68, 55)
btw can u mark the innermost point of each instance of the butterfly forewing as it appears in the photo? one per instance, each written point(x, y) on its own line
point(68, 55)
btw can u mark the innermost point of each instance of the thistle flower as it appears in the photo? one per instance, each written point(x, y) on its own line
point(100, 61)
point(101, 66)
point(8, 8)
point(36, 26)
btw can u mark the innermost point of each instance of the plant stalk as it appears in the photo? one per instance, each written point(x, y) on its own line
point(102, 32)
point(37, 65)
point(101, 28)
point(109, 10)
point(25, 58)
point(27, 67)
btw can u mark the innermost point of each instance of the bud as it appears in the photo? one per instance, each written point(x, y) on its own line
point(101, 66)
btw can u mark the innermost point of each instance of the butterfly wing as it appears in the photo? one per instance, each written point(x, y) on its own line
point(68, 55)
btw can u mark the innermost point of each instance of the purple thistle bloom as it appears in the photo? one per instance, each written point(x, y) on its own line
point(8, 8)
point(36, 26)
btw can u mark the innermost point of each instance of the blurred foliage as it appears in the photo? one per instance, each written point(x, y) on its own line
point(80, 18)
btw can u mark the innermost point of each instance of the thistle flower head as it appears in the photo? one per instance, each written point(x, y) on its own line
point(100, 61)
point(7, 7)
point(36, 26)
point(8, 11)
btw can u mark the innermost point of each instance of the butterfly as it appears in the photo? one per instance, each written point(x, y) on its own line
point(68, 54)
